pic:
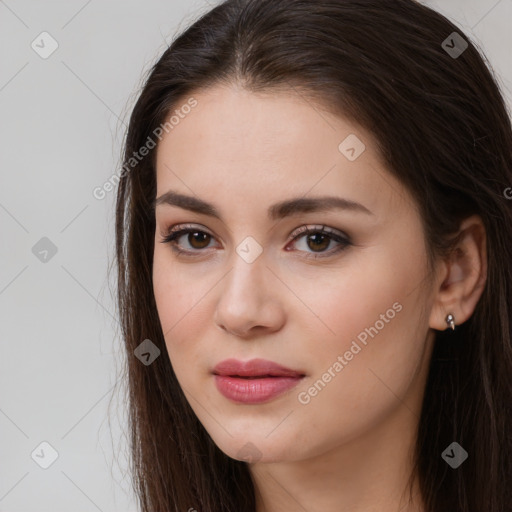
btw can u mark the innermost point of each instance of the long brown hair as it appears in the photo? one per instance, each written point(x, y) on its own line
point(443, 129)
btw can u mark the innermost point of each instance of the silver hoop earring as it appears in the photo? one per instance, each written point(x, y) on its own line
point(450, 320)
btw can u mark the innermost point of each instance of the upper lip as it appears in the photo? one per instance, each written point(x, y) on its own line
point(254, 368)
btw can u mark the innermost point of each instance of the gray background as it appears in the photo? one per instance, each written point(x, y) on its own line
point(62, 122)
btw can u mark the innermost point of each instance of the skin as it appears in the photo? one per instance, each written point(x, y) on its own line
point(349, 448)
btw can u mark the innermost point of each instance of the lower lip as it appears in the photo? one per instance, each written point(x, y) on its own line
point(254, 391)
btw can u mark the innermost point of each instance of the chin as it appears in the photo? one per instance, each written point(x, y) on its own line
point(254, 449)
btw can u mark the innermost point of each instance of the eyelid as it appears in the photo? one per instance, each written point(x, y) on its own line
point(317, 228)
point(182, 227)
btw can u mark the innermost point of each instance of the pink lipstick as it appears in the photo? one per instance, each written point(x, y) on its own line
point(255, 381)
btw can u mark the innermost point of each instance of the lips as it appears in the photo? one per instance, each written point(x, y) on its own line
point(255, 381)
point(253, 369)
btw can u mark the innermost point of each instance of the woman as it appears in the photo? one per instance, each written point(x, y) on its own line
point(313, 237)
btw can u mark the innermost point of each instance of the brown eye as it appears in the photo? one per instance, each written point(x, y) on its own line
point(315, 241)
point(198, 239)
point(318, 241)
point(194, 242)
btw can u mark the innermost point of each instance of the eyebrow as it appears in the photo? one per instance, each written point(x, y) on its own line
point(277, 211)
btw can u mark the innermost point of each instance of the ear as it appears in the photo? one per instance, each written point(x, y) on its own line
point(461, 276)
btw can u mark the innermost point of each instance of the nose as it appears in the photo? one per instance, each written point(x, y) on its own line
point(249, 303)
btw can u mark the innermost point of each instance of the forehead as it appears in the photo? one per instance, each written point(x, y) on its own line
point(238, 124)
point(268, 145)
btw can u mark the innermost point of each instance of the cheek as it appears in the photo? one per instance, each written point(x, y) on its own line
point(345, 302)
point(178, 290)
point(181, 300)
point(371, 318)
point(377, 289)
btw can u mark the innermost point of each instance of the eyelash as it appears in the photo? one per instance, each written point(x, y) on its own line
point(177, 232)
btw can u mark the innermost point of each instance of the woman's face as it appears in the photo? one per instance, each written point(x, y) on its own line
point(343, 309)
